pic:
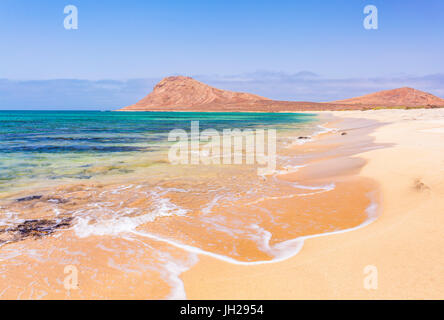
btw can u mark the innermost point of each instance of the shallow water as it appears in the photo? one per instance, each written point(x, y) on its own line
point(73, 145)
point(96, 191)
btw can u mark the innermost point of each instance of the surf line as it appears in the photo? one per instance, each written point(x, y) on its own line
point(288, 248)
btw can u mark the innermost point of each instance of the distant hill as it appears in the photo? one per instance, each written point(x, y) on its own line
point(408, 97)
point(187, 94)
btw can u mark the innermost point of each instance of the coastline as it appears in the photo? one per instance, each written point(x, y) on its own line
point(98, 218)
point(361, 156)
point(404, 243)
point(93, 231)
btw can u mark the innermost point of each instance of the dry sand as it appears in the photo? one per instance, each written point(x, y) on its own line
point(405, 243)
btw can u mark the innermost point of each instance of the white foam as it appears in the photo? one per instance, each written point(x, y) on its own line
point(300, 142)
point(325, 129)
point(207, 209)
point(174, 270)
point(322, 129)
point(285, 170)
point(85, 226)
point(281, 251)
point(10, 218)
point(327, 187)
point(321, 189)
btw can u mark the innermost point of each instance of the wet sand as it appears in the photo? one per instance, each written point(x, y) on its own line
point(405, 244)
point(134, 238)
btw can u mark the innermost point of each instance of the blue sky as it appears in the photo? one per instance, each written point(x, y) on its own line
point(299, 50)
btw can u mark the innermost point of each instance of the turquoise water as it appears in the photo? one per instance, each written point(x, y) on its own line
point(79, 145)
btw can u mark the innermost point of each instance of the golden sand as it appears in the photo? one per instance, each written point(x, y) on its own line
point(246, 248)
point(121, 251)
point(405, 245)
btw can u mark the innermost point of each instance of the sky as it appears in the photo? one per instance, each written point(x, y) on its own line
point(313, 50)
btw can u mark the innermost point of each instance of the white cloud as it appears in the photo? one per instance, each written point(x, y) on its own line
point(113, 94)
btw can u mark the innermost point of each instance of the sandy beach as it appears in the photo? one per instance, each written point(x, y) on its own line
point(364, 193)
point(222, 151)
point(130, 226)
point(404, 244)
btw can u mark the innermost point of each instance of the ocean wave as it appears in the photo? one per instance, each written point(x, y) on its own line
point(280, 251)
point(86, 226)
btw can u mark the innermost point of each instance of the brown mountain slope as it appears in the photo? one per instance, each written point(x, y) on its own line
point(408, 97)
point(180, 92)
point(186, 94)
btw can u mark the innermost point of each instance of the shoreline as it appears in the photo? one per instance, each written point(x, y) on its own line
point(327, 130)
point(333, 266)
point(312, 244)
point(93, 240)
point(314, 111)
point(297, 243)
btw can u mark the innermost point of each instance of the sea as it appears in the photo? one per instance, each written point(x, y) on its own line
point(91, 205)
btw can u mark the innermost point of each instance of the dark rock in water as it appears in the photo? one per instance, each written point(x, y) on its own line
point(39, 228)
point(33, 229)
point(39, 197)
point(83, 177)
point(30, 198)
point(304, 137)
point(344, 133)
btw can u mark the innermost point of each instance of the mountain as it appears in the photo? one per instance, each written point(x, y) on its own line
point(184, 92)
point(407, 97)
point(187, 94)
